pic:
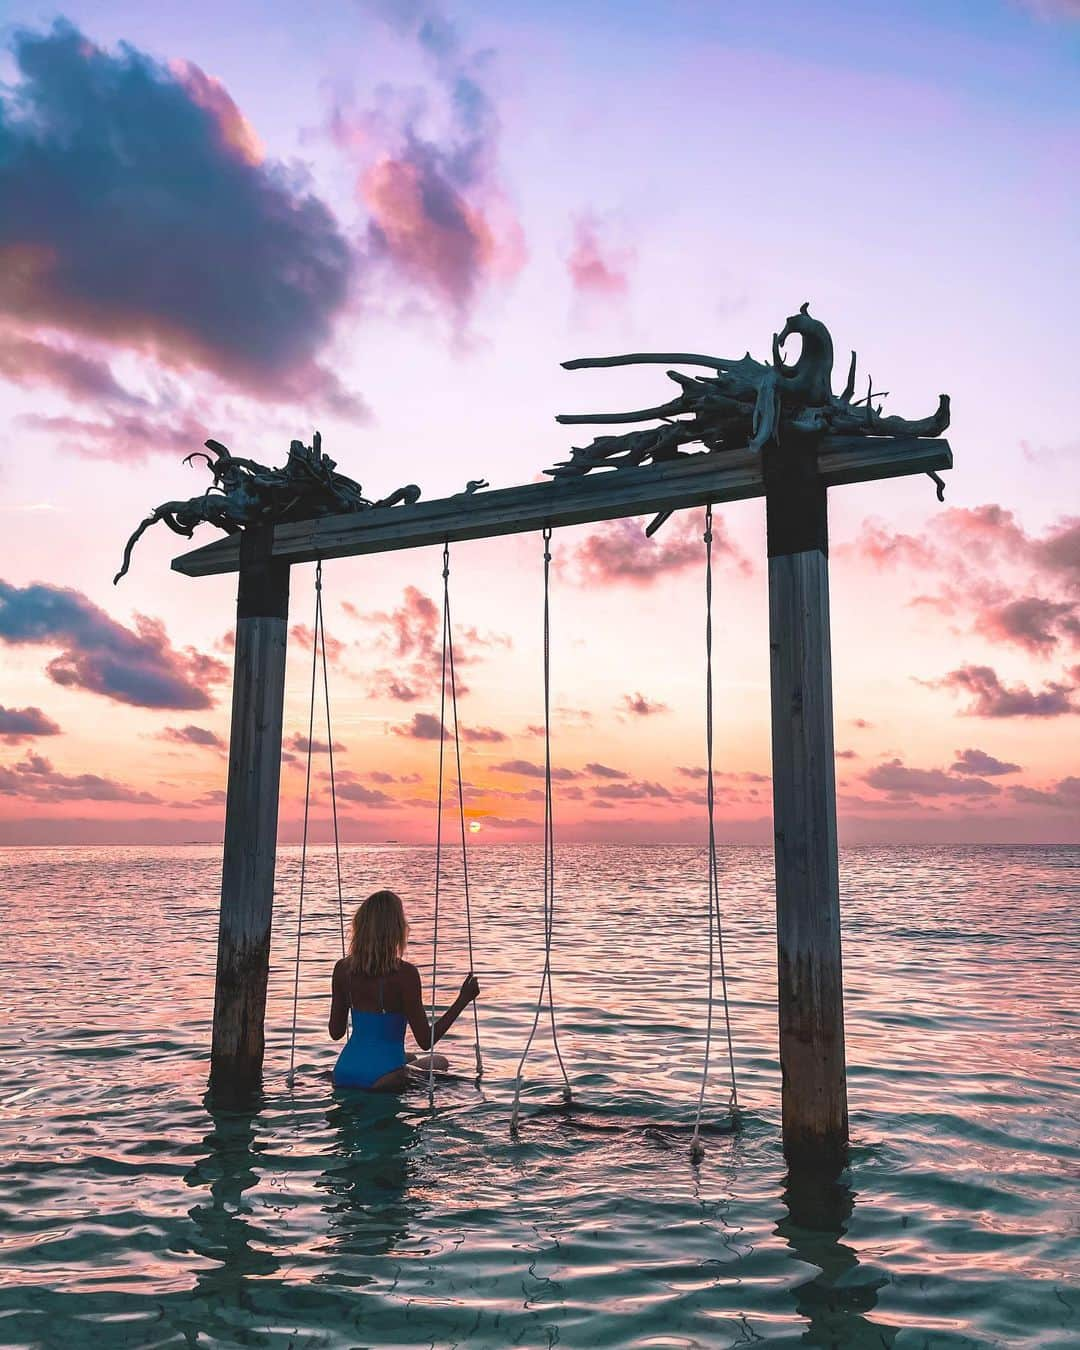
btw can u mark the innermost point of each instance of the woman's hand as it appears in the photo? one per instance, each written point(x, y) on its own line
point(470, 989)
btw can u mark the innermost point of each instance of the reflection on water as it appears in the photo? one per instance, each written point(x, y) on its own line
point(834, 1302)
point(134, 1213)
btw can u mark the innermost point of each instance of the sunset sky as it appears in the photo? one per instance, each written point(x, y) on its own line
point(391, 221)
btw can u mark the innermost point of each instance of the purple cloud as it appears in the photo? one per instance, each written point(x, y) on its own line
point(484, 735)
point(138, 209)
point(193, 735)
point(35, 777)
point(139, 667)
point(21, 724)
point(1064, 795)
point(525, 768)
point(604, 771)
point(298, 743)
point(900, 780)
point(423, 727)
point(982, 765)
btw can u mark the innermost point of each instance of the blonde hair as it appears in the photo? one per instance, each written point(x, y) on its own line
point(379, 933)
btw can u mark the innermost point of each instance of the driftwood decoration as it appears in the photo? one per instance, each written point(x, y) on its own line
point(745, 404)
point(244, 492)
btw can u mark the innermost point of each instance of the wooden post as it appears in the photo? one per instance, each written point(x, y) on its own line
point(251, 816)
point(811, 996)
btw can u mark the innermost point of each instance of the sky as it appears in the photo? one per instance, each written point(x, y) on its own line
point(391, 220)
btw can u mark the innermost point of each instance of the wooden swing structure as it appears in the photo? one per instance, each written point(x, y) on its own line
point(797, 440)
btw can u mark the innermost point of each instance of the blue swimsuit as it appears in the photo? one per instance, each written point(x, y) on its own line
point(376, 1046)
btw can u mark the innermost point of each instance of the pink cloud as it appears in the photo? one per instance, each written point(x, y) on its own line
point(128, 438)
point(1033, 622)
point(439, 215)
point(30, 362)
point(618, 551)
point(641, 706)
point(991, 698)
point(412, 634)
point(597, 267)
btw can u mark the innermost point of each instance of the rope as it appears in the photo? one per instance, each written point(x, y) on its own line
point(320, 636)
point(449, 633)
point(438, 824)
point(549, 866)
point(716, 931)
point(307, 808)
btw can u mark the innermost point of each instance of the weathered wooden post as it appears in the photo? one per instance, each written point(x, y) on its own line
point(251, 817)
point(810, 979)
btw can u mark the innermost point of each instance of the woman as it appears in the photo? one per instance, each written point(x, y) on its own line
point(383, 991)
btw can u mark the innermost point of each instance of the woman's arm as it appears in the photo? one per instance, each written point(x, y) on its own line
point(339, 1003)
point(417, 1015)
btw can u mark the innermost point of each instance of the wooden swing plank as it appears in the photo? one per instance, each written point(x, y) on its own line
point(605, 495)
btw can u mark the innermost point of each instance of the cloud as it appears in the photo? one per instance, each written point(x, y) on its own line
point(98, 654)
point(994, 572)
point(899, 780)
point(304, 636)
point(618, 551)
point(991, 698)
point(1065, 795)
point(138, 209)
point(604, 771)
point(635, 791)
point(525, 768)
point(484, 735)
point(22, 724)
point(193, 735)
point(640, 706)
point(439, 216)
point(412, 634)
point(29, 362)
point(124, 437)
point(978, 762)
point(351, 791)
point(35, 777)
point(596, 266)
point(1032, 622)
point(423, 727)
point(298, 743)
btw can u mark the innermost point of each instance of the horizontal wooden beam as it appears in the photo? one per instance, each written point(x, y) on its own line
point(604, 495)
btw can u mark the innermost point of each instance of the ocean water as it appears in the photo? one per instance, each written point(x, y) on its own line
point(132, 1215)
